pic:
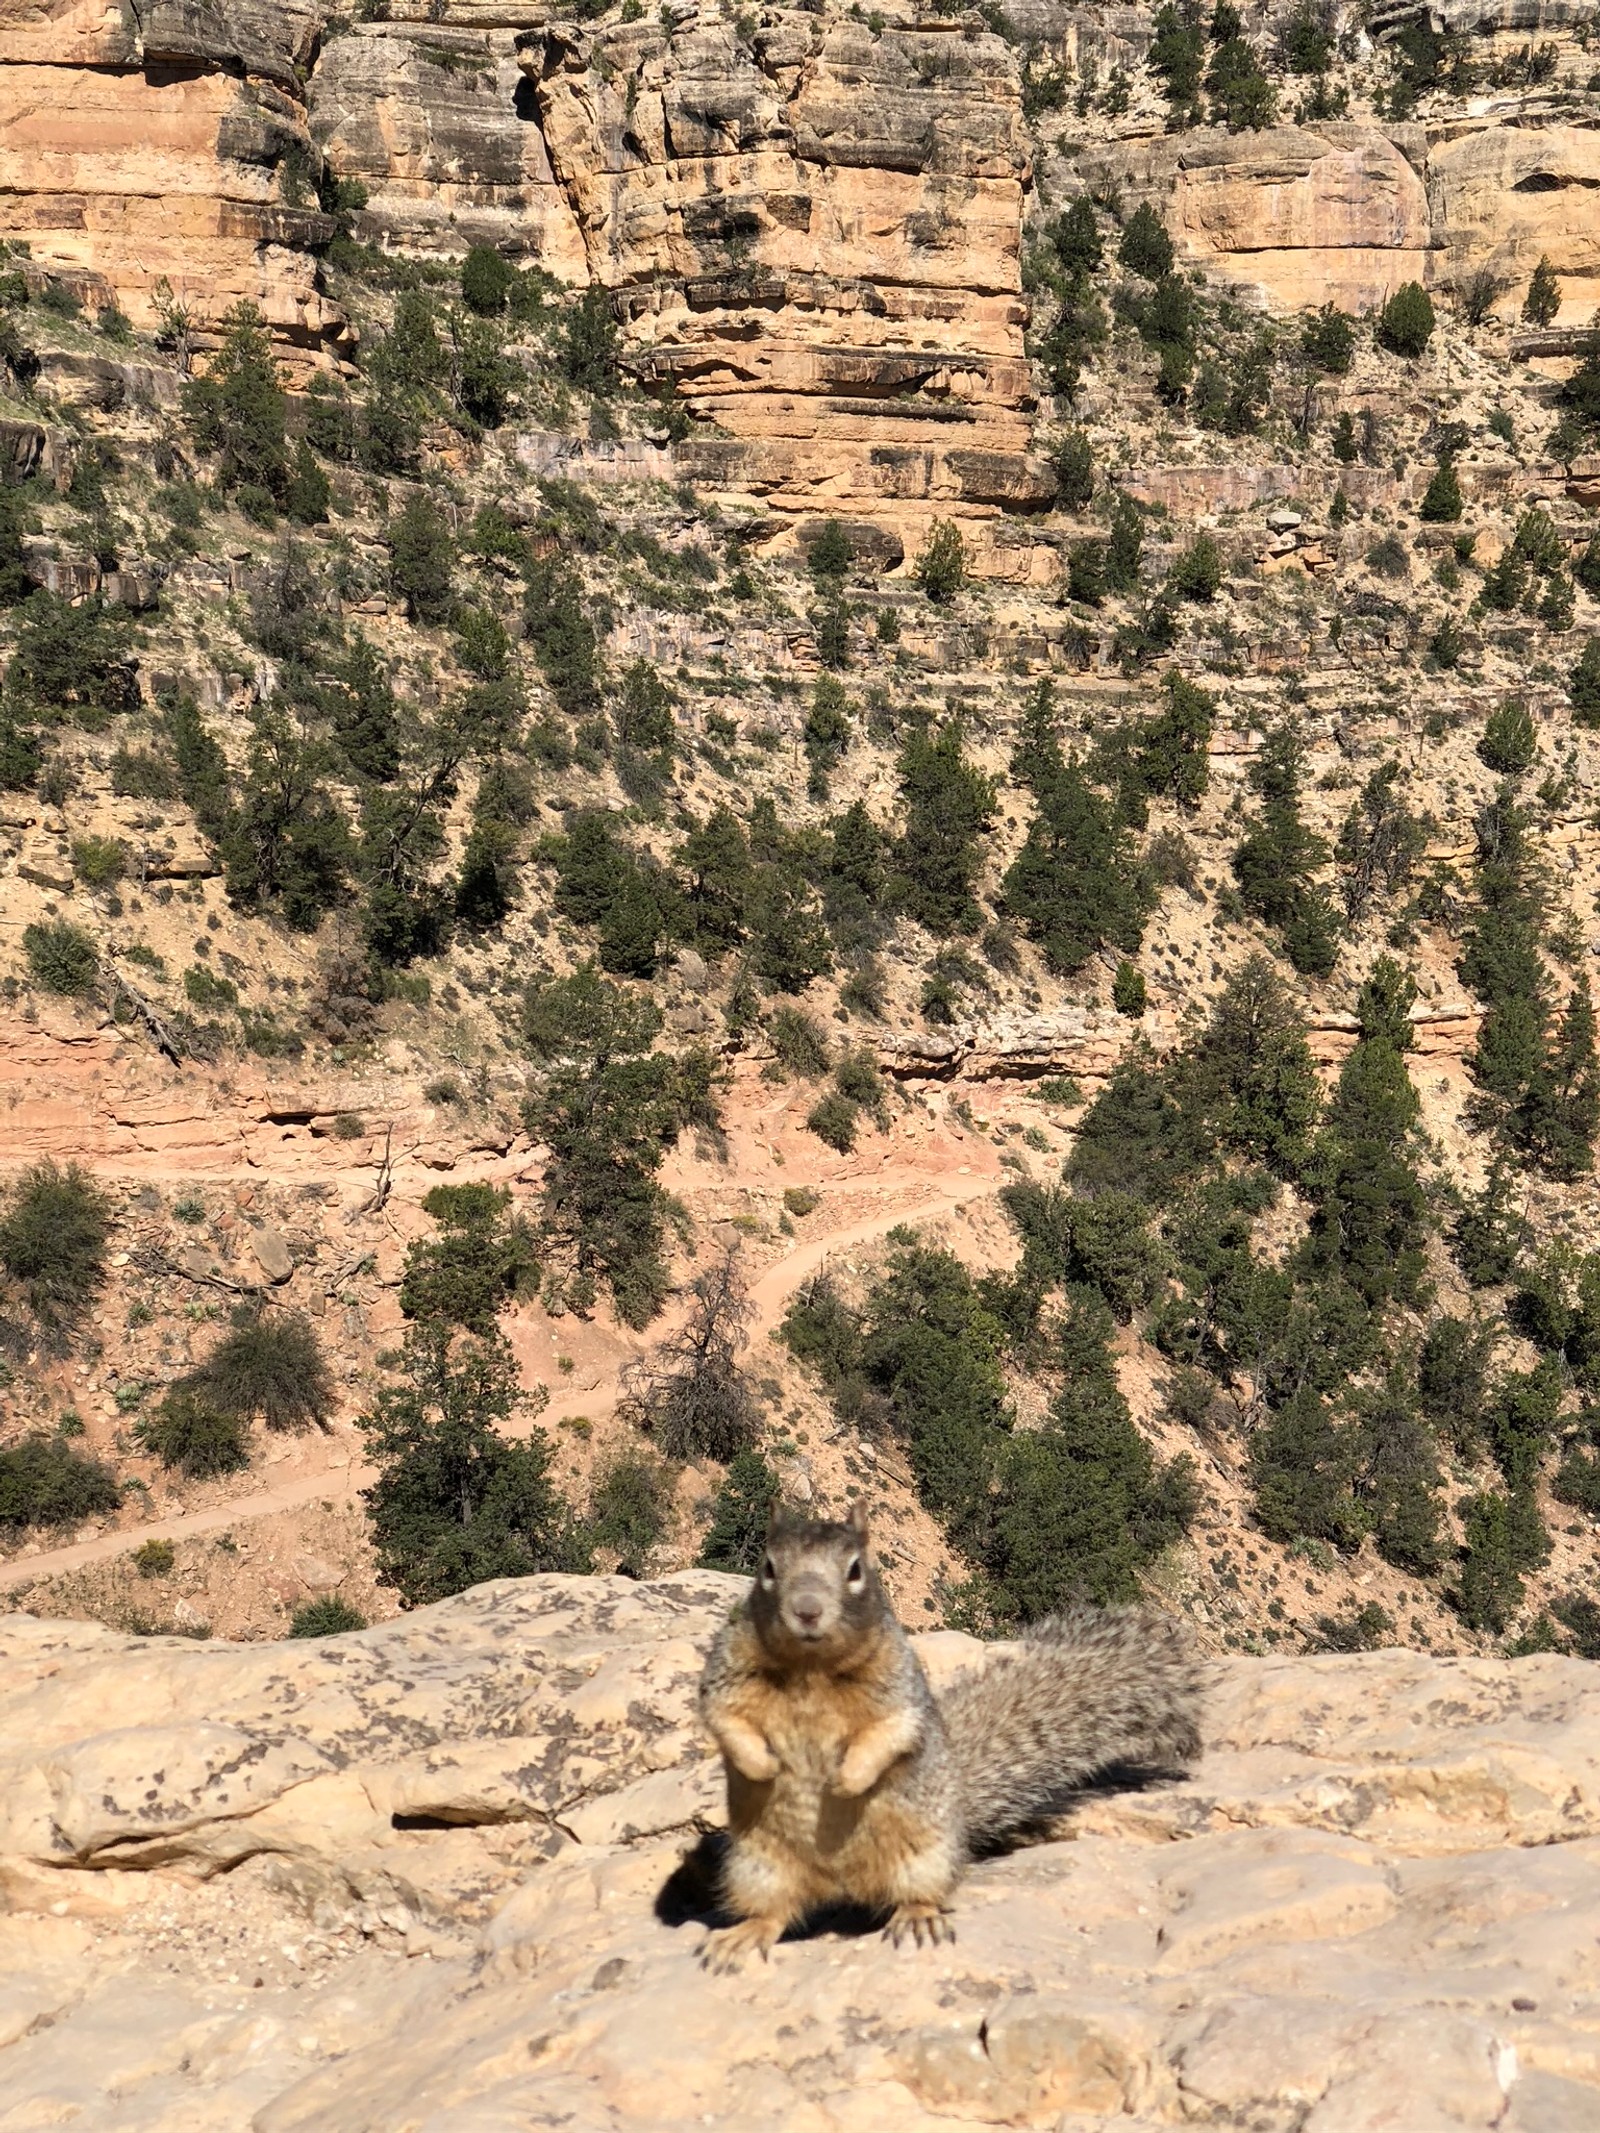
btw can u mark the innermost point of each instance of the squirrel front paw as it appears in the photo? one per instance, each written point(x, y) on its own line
point(750, 1752)
point(860, 1768)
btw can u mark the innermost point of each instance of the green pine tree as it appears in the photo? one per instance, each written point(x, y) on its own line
point(1583, 684)
point(739, 1514)
point(456, 1501)
point(1543, 299)
point(1074, 886)
point(1442, 504)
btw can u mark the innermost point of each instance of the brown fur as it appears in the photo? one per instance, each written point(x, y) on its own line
point(846, 1781)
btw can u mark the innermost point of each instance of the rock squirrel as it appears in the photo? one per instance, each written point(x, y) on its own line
point(847, 1780)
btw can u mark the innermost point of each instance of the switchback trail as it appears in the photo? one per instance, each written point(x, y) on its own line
point(769, 1295)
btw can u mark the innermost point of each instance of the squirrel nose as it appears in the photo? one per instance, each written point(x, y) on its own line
point(808, 1613)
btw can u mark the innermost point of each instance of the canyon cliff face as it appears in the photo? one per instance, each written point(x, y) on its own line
point(812, 226)
point(147, 145)
point(1293, 217)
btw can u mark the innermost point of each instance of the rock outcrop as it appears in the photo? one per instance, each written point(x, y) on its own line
point(151, 146)
point(1333, 212)
point(1294, 216)
point(811, 223)
point(438, 125)
point(814, 229)
point(1371, 1907)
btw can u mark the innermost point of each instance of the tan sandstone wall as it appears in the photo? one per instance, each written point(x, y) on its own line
point(146, 145)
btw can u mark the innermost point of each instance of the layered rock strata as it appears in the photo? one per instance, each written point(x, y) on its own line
point(813, 229)
point(148, 146)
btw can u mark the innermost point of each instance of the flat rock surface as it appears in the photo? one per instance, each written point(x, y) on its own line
point(422, 1878)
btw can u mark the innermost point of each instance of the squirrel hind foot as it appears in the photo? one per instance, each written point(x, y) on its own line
point(927, 1923)
point(728, 1950)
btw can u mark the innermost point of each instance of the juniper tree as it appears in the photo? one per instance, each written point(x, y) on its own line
point(1276, 863)
point(948, 804)
point(456, 1501)
point(1543, 299)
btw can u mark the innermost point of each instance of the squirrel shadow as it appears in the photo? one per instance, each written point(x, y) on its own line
point(691, 1895)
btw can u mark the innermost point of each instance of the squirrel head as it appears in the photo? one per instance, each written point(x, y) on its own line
point(816, 1591)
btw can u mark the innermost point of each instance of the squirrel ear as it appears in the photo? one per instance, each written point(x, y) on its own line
point(857, 1520)
point(776, 1515)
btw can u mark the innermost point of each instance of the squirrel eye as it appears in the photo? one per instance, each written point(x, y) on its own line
point(768, 1571)
point(853, 1574)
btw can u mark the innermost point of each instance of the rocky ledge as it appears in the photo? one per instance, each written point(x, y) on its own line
point(429, 1876)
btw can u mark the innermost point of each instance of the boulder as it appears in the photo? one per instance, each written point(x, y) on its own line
point(272, 1254)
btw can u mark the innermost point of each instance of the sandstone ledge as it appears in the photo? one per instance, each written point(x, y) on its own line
point(1372, 1906)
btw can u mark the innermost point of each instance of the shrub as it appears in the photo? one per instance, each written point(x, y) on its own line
point(155, 1559)
point(1405, 325)
point(645, 717)
point(237, 410)
point(1491, 1584)
point(1197, 573)
point(62, 958)
point(1303, 1467)
point(858, 1079)
point(1329, 341)
point(1279, 857)
point(1477, 294)
point(948, 804)
point(141, 774)
point(1129, 993)
point(1146, 249)
point(830, 556)
point(422, 559)
point(1365, 1629)
point(1442, 503)
point(327, 1617)
point(826, 734)
point(486, 281)
point(799, 1043)
point(942, 566)
point(202, 988)
point(270, 1365)
point(74, 662)
point(832, 1118)
point(1543, 299)
point(1510, 740)
point(1074, 466)
point(190, 1433)
point(482, 1259)
point(1583, 684)
point(53, 1241)
point(42, 1483)
point(1388, 559)
point(590, 343)
point(628, 1512)
point(1080, 1506)
point(739, 1515)
point(607, 1116)
point(1086, 572)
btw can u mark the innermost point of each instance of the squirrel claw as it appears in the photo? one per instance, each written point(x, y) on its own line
point(919, 1920)
point(725, 1951)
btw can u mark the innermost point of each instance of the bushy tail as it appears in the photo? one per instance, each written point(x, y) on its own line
point(1090, 1688)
